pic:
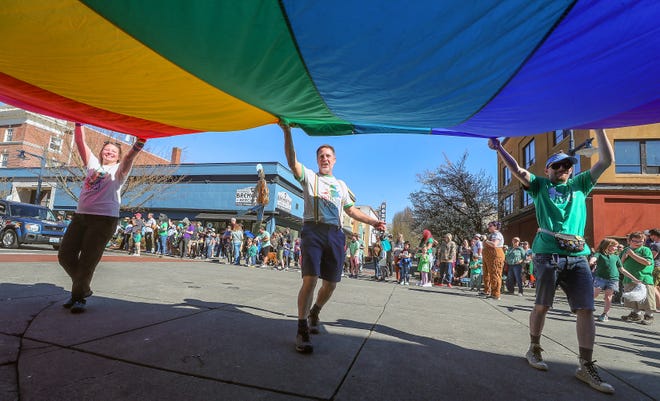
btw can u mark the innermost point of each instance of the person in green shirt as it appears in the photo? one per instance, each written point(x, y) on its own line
point(638, 260)
point(607, 268)
point(515, 257)
point(354, 254)
point(560, 204)
point(475, 273)
point(264, 239)
point(163, 226)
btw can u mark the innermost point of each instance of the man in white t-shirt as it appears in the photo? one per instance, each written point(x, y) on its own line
point(149, 236)
point(322, 239)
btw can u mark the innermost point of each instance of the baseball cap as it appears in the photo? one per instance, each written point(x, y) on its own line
point(557, 157)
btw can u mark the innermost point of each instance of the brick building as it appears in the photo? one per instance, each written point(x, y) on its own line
point(50, 141)
point(625, 199)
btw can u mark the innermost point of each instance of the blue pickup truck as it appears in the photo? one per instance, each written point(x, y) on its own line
point(24, 223)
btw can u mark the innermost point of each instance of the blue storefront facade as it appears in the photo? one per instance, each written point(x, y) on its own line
point(211, 193)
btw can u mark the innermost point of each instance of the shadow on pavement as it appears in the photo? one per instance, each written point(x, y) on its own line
point(200, 350)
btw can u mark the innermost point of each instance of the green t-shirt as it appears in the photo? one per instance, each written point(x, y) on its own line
point(560, 208)
point(162, 228)
point(264, 238)
point(475, 267)
point(643, 273)
point(607, 266)
point(353, 248)
point(424, 265)
point(515, 256)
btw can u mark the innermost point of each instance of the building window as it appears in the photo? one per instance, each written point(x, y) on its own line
point(529, 154)
point(4, 159)
point(9, 134)
point(507, 205)
point(526, 199)
point(637, 157)
point(55, 144)
point(560, 135)
point(506, 176)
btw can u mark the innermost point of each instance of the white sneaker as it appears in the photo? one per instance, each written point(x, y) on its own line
point(588, 373)
point(427, 285)
point(534, 357)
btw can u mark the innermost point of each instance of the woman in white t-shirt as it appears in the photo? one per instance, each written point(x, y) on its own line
point(96, 216)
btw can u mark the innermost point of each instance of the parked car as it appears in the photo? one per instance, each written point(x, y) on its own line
point(24, 223)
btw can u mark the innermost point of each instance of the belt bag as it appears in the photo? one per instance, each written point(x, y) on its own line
point(567, 242)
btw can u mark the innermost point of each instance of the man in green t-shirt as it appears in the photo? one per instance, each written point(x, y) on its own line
point(559, 199)
point(514, 258)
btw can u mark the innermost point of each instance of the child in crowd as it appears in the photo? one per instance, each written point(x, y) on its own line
point(296, 252)
point(138, 225)
point(606, 274)
point(252, 251)
point(426, 258)
point(405, 262)
point(638, 260)
point(424, 268)
point(475, 273)
point(286, 254)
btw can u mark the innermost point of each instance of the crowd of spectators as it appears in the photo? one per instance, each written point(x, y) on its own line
point(637, 263)
point(163, 236)
point(448, 263)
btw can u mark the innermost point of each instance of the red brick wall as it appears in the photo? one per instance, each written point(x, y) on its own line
point(34, 139)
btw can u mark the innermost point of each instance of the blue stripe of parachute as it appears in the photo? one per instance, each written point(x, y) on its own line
point(598, 69)
point(367, 58)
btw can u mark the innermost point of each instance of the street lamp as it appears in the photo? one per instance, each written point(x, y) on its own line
point(585, 149)
point(22, 155)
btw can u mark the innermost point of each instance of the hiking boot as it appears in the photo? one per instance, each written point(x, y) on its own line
point(534, 357)
point(603, 318)
point(632, 317)
point(314, 325)
point(588, 373)
point(78, 306)
point(72, 301)
point(303, 342)
point(647, 320)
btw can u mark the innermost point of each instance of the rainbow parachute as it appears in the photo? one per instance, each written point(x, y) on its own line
point(449, 67)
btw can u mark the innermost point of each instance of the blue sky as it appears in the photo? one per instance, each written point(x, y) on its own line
point(376, 167)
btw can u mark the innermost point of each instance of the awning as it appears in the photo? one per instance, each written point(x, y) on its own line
point(223, 216)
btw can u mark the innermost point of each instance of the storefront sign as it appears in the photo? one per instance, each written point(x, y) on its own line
point(284, 201)
point(245, 197)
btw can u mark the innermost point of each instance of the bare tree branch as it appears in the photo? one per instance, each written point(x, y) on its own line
point(143, 185)
point(453, 199)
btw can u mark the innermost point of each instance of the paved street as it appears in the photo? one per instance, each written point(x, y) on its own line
point(165, 329)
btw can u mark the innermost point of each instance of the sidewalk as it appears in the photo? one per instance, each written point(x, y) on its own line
point(166, 330)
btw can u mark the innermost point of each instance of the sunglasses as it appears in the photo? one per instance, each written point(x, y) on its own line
point(565, 164)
